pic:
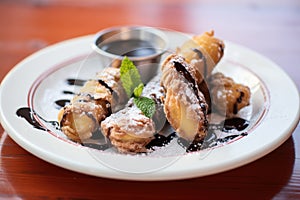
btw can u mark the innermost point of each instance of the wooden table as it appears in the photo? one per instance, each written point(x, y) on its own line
point(270, 27)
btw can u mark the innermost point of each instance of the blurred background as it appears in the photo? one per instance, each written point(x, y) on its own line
point(271, 27)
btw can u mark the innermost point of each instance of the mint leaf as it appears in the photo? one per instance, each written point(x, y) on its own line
point(146, 105)
point(130, 76)
point(137, 92)
point(131, 82)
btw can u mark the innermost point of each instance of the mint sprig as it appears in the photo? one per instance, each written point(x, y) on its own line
point(133, 85)
point(130, 76)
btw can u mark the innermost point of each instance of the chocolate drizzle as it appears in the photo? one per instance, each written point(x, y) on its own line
point(189, 146)
point(77, 82)
point(62, 102)
point(31, 117)
point(203, 87)
point(201, 56)
point(238, 101)
point(235, 123)
point(211, 140)
point(105, 85)
point(108, 107)
point(182, 70)
point(68, 92)
point(160, 140)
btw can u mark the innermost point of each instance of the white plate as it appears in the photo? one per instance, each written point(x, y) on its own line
point(39, 80)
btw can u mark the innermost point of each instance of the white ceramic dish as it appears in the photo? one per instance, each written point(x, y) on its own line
point(39, 80)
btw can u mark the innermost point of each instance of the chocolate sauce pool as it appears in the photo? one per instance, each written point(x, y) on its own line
point(137, 48)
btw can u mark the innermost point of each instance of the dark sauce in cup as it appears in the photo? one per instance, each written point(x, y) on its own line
point(130, 48)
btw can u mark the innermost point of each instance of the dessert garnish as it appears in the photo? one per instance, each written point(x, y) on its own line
point(133, 85)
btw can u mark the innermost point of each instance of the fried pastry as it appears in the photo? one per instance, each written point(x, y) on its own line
point(96, 100)
point(203, 52)
point(228, 97)
point(184, 104)
point(129, 130)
